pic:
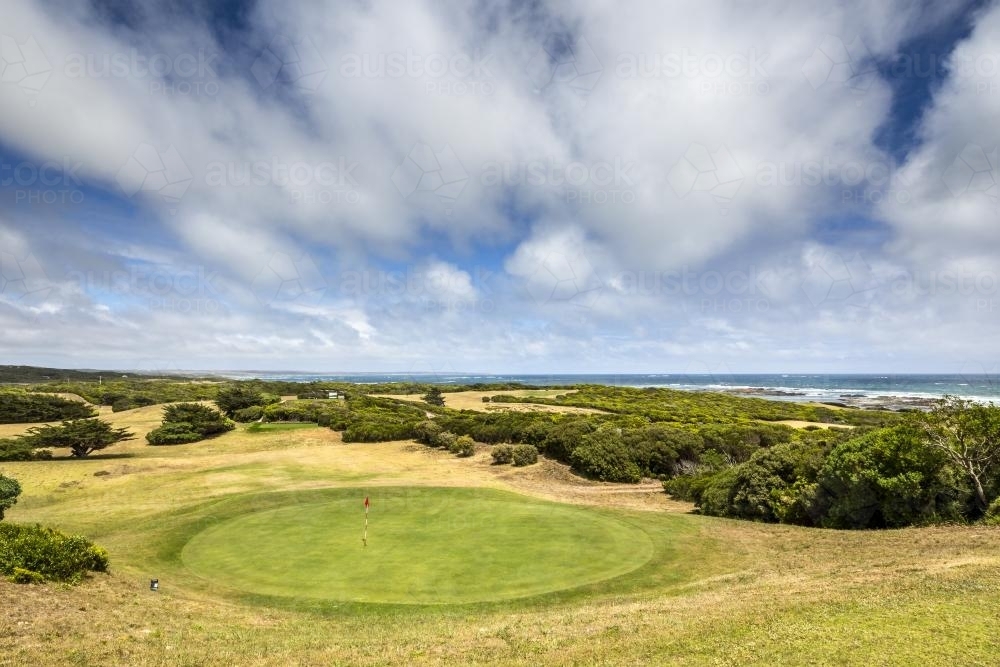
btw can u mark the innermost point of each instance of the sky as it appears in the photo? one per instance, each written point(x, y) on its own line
point(514, 187)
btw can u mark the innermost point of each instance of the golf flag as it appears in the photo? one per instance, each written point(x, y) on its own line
point(364, 539)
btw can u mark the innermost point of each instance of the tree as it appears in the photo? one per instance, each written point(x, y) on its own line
point(604, 455)
point(240, 396)
point(969, 435)
point(9, 491)
point(188, 422)
point(434, 397)
point(82, 436)
point(886, 478)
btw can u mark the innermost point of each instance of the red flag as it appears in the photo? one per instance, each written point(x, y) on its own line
point(366, 502)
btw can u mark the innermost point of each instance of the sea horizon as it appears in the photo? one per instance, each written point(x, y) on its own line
point(777, 386)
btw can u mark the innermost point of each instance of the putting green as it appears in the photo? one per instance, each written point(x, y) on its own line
point(425, 546)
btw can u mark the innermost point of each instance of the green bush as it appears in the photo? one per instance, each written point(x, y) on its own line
point(502, 454)
point(82, 436)
point(189, 422)
point(427, 432)
point(22, 576)
point(9, 491)
point(446, 440)
point(132, 401)
point(604, 456)
point(524, 455)
point(21, 407)
point(463, 446)
point(887, 478)
point(246, 415)
point(48, 553)
point(21, 449)
point(174, 433)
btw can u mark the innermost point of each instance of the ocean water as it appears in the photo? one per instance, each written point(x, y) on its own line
point(793, 387)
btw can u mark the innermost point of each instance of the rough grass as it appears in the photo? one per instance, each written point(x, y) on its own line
point(716, 591)
point(473, 400)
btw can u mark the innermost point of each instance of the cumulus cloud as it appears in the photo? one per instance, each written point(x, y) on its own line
point(638, 184)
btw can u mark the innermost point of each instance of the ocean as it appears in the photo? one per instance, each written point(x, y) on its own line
point(776, 386)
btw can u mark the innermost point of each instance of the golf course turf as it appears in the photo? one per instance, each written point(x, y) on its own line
point(425, 546)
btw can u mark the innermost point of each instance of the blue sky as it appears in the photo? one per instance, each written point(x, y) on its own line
point(500, 186)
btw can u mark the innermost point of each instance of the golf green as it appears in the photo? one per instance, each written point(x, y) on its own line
point(425, 546)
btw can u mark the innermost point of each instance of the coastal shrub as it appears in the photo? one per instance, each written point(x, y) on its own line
point(21, 407)
point(427, 432)
point(446, 440)
point(769, 487)
point(885, 479)
point(10, 489)
point(189, 422)
point(524, 455)
point(247, 415)
point(604, 456)
point(242, 395)
point(21, 449)
point(81, 436)
point(131, 402)
point(502, 454)
point(463, 446)
point(48, 554)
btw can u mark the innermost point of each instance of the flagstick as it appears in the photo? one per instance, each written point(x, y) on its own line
point(365, 538)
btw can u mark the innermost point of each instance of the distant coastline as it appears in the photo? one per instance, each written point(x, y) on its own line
point(882, 391)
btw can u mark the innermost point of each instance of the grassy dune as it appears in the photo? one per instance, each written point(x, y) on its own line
point(710, 591)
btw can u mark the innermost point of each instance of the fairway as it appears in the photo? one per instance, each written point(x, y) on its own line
point(425, 546)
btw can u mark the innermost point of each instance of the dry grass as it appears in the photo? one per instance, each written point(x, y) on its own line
point(473, 400)
point(745, 593)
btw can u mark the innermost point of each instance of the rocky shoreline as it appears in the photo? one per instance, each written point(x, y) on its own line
point(893, 403)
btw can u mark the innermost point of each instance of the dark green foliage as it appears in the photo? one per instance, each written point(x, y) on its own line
point(133, 392)
point(188, 422)
point(9, 491)
point(81, 436)
point(603, 455)
point(698, 408)
point(767, 487)
point(427, 432)
point(251, 414)
point(502, 454)
point(21, 449)
point(434, 397)
point(242, 395)
point(173, 433)
point(658, 449)
point(372, 419)
point(33, 552)
point(21, 407)
point(524, 455)
point(132, 401)
point(968, 434)
point(463, 446)
point(885, 479)
point(446, 439)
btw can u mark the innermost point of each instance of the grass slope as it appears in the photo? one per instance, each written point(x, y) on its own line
point(714, 591)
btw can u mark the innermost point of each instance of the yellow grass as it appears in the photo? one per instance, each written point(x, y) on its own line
point(752, 593)
point(473, 400)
